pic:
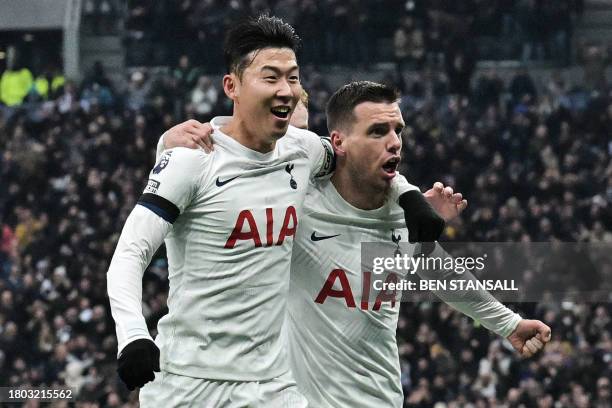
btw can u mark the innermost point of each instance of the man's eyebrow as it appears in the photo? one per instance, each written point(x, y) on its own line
point(278, 70)
point(378, 125)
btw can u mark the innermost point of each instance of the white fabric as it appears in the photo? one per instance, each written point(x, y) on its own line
point(142, 234)
point(171, 390)
point(342, 352)
point(227, 297)
point(342, 355)
point(479, 305)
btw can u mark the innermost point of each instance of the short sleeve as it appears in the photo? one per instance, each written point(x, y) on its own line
point(174, 181)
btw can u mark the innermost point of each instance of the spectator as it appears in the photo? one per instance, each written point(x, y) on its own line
point(595, 60)
point(522, 87)
point(203, 97)
point(185, 74)
point(15, 85)
point(409, 46)
point(138, 90)
point(459, 68)
point(371, 26)
point(560, 30)
point(488, 89)
point(533, 24)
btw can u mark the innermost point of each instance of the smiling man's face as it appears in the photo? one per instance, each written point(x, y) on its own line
point(267, 93)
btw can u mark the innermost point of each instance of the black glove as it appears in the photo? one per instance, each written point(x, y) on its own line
point(424, 224)
point(137, 362)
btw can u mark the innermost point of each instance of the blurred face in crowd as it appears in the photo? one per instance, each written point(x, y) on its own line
point(369, 147)
point(264, 96)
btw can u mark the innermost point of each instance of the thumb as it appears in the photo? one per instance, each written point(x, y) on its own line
point(544, 333)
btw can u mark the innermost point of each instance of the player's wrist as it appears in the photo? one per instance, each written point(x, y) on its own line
point(124, 343)
point(512, 326)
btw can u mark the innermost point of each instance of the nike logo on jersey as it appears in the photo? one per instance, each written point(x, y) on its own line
point(314, 236)
point(220, 183)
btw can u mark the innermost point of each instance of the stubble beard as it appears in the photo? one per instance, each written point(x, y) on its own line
point(373, 190)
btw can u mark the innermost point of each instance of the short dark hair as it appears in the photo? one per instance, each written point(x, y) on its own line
point(254, 34)
point(340, 106)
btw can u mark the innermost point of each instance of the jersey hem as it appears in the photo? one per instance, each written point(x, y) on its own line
point(219, 375)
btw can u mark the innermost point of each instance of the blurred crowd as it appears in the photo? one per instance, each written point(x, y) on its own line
point(532, 157)
point(359, 31)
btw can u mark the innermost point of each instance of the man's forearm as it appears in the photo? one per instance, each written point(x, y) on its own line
point(142, 235)
point(480, 305)
point(492, 314)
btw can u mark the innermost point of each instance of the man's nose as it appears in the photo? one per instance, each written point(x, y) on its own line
point(395, 143)
point(284, 89)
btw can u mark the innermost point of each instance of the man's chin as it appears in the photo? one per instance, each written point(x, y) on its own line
point(381, 191)
point(277, 134)
point(279, 131)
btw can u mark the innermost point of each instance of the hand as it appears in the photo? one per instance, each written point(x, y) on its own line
point(191, 134)
point(137, 362)
point(529, 337)
point(447, 204)
point(424, 225)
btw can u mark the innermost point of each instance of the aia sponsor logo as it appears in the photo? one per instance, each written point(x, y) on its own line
point(346, 292)
point(246, 229)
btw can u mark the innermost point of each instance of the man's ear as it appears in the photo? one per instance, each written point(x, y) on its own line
point(231, 86)
point(338, 141)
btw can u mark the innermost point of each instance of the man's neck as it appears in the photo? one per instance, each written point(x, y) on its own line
point(237, 130)
point(355, 193)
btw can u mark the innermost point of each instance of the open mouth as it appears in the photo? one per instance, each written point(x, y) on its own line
point(391, 165)
point(281, 112)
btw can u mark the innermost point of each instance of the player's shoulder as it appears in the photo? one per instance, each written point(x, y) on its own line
point(311, 144)
point(184, 155)
point(182, 159)
point(317, 195)
point(302, 136)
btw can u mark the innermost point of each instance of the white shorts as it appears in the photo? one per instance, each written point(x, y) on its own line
point(172, 390)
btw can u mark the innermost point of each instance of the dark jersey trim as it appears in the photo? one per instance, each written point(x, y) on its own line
point(160, 206)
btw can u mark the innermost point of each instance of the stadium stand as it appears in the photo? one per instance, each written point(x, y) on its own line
point(533, 157)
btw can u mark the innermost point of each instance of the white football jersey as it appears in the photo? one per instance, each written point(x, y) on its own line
point(342, 343)
point(342, 334)
point(229, 251)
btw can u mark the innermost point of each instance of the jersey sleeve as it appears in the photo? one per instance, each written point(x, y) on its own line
point(320, 153)
point(160, 147)
point(142, 234)
point(399, 186)
point(480, 305)
point(174, 182)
